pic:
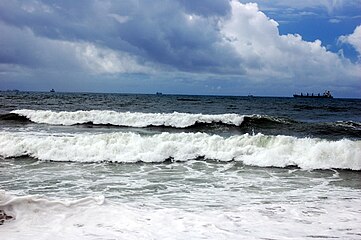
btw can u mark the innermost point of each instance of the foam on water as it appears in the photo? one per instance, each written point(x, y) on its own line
point(40, 218)
point(257, 150)
point(178, 120)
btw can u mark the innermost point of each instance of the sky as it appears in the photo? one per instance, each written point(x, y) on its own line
point(207, 47)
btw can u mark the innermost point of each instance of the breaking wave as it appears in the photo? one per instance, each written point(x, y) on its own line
point(216, 123)
point(257, 150)
point(143, 120)
point(128, 119)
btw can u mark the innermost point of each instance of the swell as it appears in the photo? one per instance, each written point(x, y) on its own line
point(14, 117)
point(192, 122)
point(160, 121)
point(263, 124)
point(255, 150)
point(128, 119)
point(284, 126)
point(229, 123)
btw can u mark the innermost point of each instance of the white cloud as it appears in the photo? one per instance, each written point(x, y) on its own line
point(106, 61)
point(353, 39)
point(266, 53)
point(334, 20)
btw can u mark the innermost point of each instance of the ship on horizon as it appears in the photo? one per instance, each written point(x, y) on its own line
point(326, 94)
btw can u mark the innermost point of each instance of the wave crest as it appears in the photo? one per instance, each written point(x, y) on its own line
point(128, 119)
point(257, 150)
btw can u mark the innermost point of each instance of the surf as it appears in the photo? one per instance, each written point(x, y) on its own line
point(130, 119)
point(256, 150)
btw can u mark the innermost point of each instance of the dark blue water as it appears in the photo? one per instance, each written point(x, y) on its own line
point(322, 118)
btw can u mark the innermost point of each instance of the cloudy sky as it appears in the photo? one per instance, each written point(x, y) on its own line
point(220, 47)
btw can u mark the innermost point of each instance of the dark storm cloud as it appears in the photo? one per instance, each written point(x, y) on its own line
point(169, 36)
point(172, 33)
point(52, 19)
point(21, 47)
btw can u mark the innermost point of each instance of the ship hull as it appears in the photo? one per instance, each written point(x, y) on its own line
point(302, 96)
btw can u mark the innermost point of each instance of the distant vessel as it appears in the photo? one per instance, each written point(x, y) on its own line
point(159, 93)
point(52, 90)
point(326, 94)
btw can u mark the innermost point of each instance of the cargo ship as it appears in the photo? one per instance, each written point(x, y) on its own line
point(326, 94)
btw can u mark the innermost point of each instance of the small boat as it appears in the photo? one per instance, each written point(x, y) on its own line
point(326, 94)
point(52, 90)
point(159, 93)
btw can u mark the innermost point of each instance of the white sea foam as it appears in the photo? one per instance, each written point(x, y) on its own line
point(258, 150)
point(179, 120)
point(91, 218)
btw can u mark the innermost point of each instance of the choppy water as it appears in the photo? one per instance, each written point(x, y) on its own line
point(111, 166)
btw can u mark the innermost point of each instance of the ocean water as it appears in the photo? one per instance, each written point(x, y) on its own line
point(117, 166)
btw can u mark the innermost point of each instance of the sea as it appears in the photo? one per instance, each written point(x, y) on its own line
point(132, 166)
